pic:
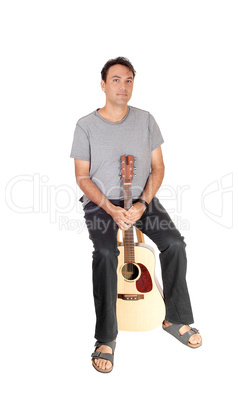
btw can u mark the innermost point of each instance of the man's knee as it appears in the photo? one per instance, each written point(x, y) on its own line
point(176, 243)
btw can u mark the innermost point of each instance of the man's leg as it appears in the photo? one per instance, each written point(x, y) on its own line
point(158, 226)
point(103, 233)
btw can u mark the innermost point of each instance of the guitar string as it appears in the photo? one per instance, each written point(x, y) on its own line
point(129, 250)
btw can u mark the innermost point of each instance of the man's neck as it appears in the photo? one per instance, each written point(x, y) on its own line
point(113, 113)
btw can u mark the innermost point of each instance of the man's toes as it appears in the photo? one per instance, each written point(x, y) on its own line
point(199, 339)
point(195, 339)
point(108, 365)
point(104, 366)
point(97, 362)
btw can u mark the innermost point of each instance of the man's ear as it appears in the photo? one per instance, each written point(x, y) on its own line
point(103, 85)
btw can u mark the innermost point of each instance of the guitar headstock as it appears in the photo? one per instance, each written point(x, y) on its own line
point(127, 168)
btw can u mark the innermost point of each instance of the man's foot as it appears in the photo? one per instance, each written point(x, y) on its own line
point(194, 339)
point(102, 363)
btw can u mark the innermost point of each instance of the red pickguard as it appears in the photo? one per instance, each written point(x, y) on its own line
point(144, 283)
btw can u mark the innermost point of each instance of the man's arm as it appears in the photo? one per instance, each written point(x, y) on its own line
point(120, 215)
point(156, 176)
point(152, 186)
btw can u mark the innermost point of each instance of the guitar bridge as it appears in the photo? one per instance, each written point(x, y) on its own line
point(129, 297)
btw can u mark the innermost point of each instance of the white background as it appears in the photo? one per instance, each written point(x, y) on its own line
point(185, 55)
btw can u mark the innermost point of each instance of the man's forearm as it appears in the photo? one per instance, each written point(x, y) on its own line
point(93, 193)
point(153, 184)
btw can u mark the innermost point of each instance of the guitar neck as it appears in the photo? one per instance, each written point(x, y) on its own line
point(129, 251)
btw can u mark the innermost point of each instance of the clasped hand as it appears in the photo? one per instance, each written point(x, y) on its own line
point(125, 219)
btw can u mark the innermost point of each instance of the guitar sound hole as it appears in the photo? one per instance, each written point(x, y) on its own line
point(130, 271)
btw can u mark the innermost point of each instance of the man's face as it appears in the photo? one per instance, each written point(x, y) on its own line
point(119, 85)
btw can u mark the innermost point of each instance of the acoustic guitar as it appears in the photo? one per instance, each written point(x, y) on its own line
point(140, 304)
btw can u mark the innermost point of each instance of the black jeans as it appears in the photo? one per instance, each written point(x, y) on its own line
point(158, 226)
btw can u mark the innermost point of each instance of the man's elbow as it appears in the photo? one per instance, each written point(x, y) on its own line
point(81, 180)
point(163, 169)
point(159, 169)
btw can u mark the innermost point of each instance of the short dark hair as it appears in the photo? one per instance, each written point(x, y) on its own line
point(119, 60)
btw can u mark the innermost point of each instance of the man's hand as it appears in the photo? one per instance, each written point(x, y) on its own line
point(136, 211)
point(121, 217)
point(125, 219)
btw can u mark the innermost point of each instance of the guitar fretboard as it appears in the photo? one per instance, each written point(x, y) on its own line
point(129, 252)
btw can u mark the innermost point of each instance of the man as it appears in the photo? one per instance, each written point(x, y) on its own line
point(100, 139)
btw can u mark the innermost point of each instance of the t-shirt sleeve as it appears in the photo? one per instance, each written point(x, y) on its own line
point(81, 146)
point(156, 138)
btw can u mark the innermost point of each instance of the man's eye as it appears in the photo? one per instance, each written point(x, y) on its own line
point(115, 80)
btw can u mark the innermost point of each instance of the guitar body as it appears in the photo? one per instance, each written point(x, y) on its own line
point(140, 305)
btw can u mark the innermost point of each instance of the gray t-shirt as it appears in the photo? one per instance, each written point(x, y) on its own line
point(103, 142)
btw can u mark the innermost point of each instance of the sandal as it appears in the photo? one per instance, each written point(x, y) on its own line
point(174, 330)
point(105, 356)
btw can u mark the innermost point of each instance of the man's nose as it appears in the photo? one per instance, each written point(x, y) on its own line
point(123, 86)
